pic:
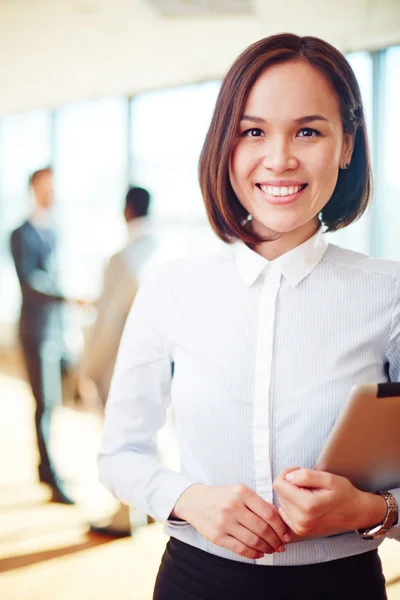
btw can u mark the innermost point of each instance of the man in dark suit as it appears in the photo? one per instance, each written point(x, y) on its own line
point(33, 247)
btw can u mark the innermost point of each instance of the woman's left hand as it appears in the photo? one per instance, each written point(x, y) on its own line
point(316, 503)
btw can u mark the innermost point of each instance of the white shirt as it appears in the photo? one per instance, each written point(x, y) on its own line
point(139, 227)
point(121, 279)
point(265, 356)
point(42, 218)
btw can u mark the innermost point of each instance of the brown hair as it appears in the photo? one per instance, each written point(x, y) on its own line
point(354, 186)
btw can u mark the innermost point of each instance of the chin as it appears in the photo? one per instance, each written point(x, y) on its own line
point(268, 228)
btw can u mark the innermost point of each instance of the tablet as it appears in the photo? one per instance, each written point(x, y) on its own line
point(364, 444)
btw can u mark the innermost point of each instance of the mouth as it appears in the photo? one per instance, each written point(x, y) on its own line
point(281, 194)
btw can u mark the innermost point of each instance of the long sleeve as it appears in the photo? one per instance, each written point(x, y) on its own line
point(37, 284)
point(394, 374)
point(136, 410)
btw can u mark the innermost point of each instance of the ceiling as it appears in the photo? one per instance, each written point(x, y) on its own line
point(58, 51)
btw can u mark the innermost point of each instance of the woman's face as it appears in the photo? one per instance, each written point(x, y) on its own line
point(290, 145)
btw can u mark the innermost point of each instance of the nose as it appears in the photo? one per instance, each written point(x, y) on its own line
point(278, 156)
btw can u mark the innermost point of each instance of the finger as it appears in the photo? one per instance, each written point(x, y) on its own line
point(292, 493)
point(258, 527)
point(286, 517)
point(283, 473)
point(268, 513)
point(250, 539)
point(235, 545)
point(282, 477)
point(292, 512)
point(309, 478)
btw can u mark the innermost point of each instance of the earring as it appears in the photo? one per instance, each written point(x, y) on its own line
point(346, 166)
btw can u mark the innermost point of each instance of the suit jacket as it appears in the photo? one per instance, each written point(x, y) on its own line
point(34, 257)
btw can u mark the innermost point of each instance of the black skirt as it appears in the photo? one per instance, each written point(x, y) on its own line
point(187, 573)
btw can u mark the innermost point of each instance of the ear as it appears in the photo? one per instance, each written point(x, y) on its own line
point(347, 148)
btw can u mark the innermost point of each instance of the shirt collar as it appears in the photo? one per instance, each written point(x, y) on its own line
point(41, 219)
point(295, 265)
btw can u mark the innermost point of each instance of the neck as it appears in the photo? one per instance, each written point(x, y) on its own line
point(281, 243)
point(41, 216)
point(137, 227)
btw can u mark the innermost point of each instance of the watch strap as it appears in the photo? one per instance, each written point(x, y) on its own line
point(390, 519)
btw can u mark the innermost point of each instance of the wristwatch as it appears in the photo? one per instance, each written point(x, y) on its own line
point(392, 516)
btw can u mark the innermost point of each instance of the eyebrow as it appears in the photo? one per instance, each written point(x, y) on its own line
point(299, 121)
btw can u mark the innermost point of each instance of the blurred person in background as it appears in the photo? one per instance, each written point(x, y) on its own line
point(41, 325)
point(121, 282)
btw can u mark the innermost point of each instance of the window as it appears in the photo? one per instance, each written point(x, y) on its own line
point(168, 131)
point(358, 235)
point(388, 186)
point(91, 175)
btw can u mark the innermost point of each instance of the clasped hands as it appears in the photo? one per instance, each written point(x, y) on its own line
point(315, 503)
point(311, 504)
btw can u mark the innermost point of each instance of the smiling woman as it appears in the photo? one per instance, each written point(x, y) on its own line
point(267, 338)
point(313, 132)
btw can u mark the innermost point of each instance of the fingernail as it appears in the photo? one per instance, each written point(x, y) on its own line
point(289, 476)
point(287, 537)
point(282, 548)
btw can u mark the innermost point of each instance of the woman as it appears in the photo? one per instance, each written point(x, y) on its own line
point(267, 340)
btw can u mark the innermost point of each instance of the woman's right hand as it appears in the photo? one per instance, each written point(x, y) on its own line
point(234, 517)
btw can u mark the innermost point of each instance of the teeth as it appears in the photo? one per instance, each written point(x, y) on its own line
point(280, 191)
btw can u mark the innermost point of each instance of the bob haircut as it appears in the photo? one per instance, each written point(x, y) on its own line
point(353, 189)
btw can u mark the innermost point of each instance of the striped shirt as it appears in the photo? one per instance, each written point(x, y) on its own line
point(265, 355)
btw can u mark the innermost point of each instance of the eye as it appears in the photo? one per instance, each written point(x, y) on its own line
point(307, 132)
point(253, 132)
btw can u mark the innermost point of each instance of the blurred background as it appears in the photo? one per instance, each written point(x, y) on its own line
point(113, 94)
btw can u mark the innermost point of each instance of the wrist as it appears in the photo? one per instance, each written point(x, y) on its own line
point(186, 503)
point(372, 512)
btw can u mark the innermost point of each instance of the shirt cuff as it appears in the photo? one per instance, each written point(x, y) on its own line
point(179, 522)
point(165, 496)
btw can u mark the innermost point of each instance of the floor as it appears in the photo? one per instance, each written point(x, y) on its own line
point(46, 550)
